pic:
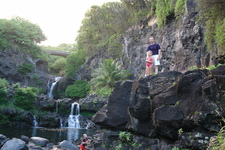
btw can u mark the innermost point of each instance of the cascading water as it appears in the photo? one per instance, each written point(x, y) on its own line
point(35, 123)
point(57, 106)
point(73, 120)
point(50, 93)
point(126, 42)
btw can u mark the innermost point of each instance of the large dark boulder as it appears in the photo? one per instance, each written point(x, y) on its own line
point(118, 104)
point(116, 115)
point(45, 103)
point(169, 106)
point(92, 103)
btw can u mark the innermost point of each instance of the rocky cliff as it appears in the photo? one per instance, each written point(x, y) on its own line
point(17, 67)
point(182, 109)
point(181, 42)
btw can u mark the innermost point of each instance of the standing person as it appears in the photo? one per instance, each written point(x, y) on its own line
point(149, 63)
point(84, 142)
point(156, 52)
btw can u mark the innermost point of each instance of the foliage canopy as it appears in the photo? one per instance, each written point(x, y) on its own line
point(101, 29)
point(25, 97)
point(22, 34)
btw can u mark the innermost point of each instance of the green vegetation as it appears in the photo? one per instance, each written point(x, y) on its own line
point(3, 119)
point(26, 68)
point(63, 109)
point(79, 89)
point(74, 62)
point(21, 34)
point(105, 77)
point(25, 97)
point(37, 80)
point(101, 29)
point(62, 47)
point(163, 10)
point(212, 14)
point(208, 68)
point(87, 113)
point(217, 142)
point(179, 8)
point(57, 65)
point(3, 91)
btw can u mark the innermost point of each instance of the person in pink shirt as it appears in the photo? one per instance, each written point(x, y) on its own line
point(149, 63)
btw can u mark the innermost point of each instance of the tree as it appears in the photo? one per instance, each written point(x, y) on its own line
point(74, 62)
point(22, 34)
point(25, 97)
point(108, 74)
point(101, 29)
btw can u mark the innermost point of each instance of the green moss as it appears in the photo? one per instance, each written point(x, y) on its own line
point(87, 113)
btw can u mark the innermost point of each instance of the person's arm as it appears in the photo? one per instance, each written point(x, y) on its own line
point(160, 54)
point(152, 60)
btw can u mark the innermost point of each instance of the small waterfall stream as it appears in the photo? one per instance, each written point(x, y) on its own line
point(73, 120)
point(57, 106)
point(50, 93)
point(35, 123)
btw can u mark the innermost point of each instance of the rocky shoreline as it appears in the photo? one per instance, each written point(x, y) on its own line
point(34, 143)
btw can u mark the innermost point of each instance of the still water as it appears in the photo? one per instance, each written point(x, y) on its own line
point(54, 135)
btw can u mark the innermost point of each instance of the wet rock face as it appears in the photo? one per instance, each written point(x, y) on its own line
point(10, 64)
point(171, 105)
point(15, 118)
point(92, 103)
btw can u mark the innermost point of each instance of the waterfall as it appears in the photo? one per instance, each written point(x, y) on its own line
point(61, 123)
point(35, 123)
point(73, 120)
point(57, 106)
point(50, 94)
point(126, 42)
point(88, 124)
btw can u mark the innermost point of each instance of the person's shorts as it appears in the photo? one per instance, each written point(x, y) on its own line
point(156, 62)
point(149, 64)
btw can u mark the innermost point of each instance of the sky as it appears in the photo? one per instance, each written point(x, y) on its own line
point(59, 19)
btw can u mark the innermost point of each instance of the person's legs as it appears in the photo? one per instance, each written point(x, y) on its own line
point(150, 70)
point(156, 63)
point(147, 71)
point(156, 69)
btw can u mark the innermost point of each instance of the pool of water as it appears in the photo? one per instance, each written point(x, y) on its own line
point(54, 135)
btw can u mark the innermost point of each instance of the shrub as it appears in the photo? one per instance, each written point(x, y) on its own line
point(3, 91)
point(3, 119)
point(25, 97)
point(108, 74)
point(26, 68)
point(79, 89)
point(74, 62)
point(104, 92)
point(37, 80)
point(179, 8)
